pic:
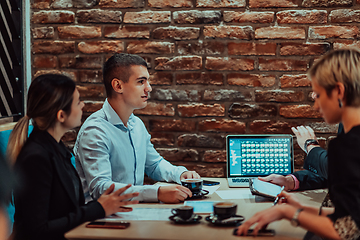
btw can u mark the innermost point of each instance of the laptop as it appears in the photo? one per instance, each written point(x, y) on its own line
point(249, 156)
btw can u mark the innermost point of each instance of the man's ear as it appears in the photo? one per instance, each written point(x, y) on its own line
point(117, 85)
point(61, 116)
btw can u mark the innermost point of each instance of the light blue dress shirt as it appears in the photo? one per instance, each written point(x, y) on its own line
point(107, 152)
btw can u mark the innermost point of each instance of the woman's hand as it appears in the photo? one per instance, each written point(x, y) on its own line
point(262, 219)
point(290, 199)
point(114, 202)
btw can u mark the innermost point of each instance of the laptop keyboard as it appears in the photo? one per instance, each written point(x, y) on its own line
point(240, 180)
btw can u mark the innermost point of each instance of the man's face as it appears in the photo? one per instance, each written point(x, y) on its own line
point(136, 90)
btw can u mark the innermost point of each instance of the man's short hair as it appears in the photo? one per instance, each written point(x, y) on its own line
point(118, 66)
point(339, 66)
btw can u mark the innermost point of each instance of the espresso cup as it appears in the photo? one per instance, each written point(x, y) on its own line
point(195, 185)
point(184, 212)
point(223, 210)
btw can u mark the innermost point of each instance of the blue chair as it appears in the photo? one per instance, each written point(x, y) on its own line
point(4, 138)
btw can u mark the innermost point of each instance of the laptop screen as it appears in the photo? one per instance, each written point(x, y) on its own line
point(259, 155)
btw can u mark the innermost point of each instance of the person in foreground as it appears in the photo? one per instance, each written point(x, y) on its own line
point(50, 200)
point(113, 145)
point(336, 83)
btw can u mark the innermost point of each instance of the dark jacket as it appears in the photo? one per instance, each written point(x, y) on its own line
point(50, 201)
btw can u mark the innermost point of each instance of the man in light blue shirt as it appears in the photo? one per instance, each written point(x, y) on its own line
point(113, 145)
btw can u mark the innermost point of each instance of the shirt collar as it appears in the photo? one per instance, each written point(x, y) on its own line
point(114, 118)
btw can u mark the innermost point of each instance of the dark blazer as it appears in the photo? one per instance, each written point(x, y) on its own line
point(47, 205)
point(315, 174)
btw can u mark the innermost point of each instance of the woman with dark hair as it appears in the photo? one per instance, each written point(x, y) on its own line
point(50, 201)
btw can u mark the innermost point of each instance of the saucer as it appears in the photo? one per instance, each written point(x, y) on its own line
point(194, 219)
point(225, 222)
point(199, 195)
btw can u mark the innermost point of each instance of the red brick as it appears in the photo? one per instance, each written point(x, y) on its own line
point(126, 32)
point(98, 16)
point(346, 44)
point(215, 156)
point(224, 125)
point(137, 47)
point(282, 65)
point(196, 17)
point(200, 78)
point(298, 111)
point(84, 3)
point(53, 17)
point(62, 4)
point(195, 140)
point(176, 33)
point(178, 63)
point(147, 17)
point(233, 64)
point(302, 16)
point(344, 15)
point(177, 155)
point(304, 49)
point(251, 80)
point(248, 17)
point(92, 106)
point(201, 110)
point(40, 4)
point(79, 32)
point(94, 47)
point(90, 76)
point(91, 91)
point(53, 47)
point(227, 95)
point(158, 125)
point(161, 78)
point(199, 48)
point(70, 74)
point(229, 32)
point(220, 3)
point(251, 48)
point(80, 62)
point(326, 3)
point(272, 127)
point(323, 127)
point(122, 4)
point(170, 3)
point(44, 61)
point(247, 110)
point(43, 32)
point(325, 32)
point(162, 139)
point(290, 81)
point(272, 3)
point(280, 33)
point(278, 96)
point(156, 109)
point(190, 95)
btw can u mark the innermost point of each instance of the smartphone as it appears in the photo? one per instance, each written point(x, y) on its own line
point(114, 225)
point(262, 232)
point(210, 183)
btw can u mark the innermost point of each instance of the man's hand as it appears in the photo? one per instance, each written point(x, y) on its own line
point(286, 181)
point(173, 193)
point(189, 175)
point(302, 134)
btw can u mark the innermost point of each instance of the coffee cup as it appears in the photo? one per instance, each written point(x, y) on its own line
point(223, 210)
point(195, 185)
point(184, 212)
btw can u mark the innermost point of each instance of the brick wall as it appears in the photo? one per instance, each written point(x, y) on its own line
point(217, 67)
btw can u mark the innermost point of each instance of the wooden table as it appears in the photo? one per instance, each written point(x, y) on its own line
point(164, 230)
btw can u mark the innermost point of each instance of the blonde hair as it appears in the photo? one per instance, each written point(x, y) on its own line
point(339, 66)
point(48, 94)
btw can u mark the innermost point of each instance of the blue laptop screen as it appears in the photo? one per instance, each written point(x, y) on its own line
point(259, 155)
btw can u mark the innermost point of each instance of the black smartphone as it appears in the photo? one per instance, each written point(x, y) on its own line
point(114, 225)
point(262, 232)
point(210, 183)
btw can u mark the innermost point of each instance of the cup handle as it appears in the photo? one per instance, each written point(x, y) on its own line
point(174, 212)
point(205, 192)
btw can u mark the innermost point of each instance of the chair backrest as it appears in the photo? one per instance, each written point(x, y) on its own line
point(5, 132)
